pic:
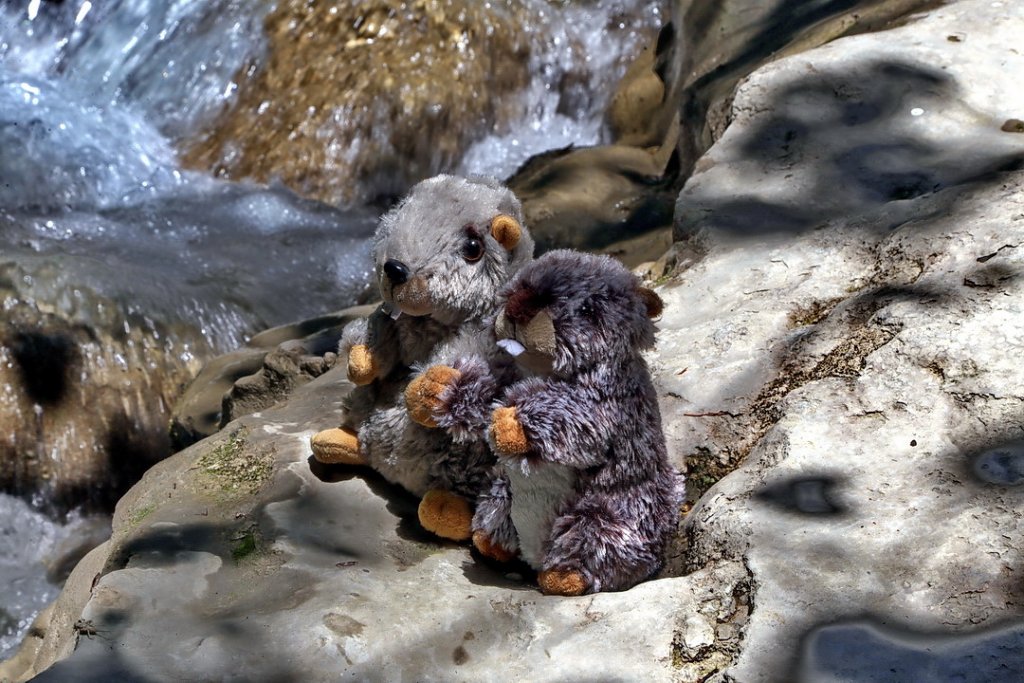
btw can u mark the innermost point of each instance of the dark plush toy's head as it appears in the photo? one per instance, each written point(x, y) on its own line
point(567, 311)
point(448, 248)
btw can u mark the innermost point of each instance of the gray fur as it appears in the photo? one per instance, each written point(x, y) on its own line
point(425, 232)
point(596, 413)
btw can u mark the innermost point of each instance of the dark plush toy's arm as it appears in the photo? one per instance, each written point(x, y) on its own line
point(456, 398)
point(569, 423)
point(467, 400)
point(371, 346)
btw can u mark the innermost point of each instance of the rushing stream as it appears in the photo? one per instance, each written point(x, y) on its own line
point(103, 228)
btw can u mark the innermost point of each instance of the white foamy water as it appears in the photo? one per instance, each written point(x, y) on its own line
point(31, 549)
point(580, 53)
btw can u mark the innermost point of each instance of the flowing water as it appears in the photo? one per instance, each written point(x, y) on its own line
point(96, 99)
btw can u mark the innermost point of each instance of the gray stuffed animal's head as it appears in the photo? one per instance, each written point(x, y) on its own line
point(447, 249)
point(567, 311)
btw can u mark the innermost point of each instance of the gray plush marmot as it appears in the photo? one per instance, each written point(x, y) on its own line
point(584, 491)
point(441, 257)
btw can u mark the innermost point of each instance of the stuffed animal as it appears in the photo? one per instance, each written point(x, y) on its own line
point(441, 257)
point(584, 491)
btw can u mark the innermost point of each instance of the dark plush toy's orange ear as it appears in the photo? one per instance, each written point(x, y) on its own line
point(506, 230)
point(652, 301)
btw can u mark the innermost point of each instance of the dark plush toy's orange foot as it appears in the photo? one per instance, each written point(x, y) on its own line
point(562, 582)
point(492, 550)
point(339, 446)
point(446, 514)
point(421, 396)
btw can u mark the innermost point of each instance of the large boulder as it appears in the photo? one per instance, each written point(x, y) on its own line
point(358, 100)
point(839, 354)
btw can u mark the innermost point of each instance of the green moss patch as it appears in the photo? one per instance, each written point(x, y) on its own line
point(233, 467)
point(139, 514)
point(246, 544)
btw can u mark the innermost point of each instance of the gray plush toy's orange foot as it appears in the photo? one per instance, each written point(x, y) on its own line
point(490, 549)
point(446, 514)
point(562, 582)
point(338, 446)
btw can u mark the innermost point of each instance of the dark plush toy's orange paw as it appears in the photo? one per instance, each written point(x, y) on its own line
point(509, 437)
point(339, 446)
point(446, 514)
point(492, 550)
point(421, 396)
point(562, 582)
point(362, 368)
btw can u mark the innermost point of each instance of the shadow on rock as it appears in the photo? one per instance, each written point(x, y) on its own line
point(813, 495)
point(1002, 465)
point(397, 500)
point(847, 144)
point(724, 41)
point(870, 650)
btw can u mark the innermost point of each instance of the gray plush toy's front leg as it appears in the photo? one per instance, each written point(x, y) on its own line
point(371, 346)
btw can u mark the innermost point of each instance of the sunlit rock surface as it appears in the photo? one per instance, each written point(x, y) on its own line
point(845, 341)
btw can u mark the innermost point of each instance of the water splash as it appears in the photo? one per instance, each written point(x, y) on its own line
point(580, 53)
point(173, 61)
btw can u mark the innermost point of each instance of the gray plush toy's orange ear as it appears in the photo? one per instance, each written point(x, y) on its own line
point(506, 230)
point(652, 301)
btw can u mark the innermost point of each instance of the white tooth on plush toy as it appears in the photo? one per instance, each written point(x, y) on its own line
point(511, 346)
point(395, 313)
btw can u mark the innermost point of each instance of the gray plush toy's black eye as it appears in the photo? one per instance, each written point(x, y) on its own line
point(472, 248)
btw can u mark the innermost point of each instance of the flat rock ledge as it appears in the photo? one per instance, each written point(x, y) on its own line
point(242, 559)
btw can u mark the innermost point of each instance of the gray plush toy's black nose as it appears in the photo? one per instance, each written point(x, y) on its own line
point(396, 271)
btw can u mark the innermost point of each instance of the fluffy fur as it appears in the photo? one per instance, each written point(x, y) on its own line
point(592, 495)
point(444, 303)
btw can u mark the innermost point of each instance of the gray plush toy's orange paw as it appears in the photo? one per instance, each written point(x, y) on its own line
point(509, 437)
point(490, 549)
point(362, 368)
point(562, 582)
point(338, 446)
point(446, 514)
point(422, 394)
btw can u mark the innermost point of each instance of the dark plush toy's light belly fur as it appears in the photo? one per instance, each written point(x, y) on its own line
point(536, 499)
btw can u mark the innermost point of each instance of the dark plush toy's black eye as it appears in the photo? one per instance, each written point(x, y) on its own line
point(472, 249)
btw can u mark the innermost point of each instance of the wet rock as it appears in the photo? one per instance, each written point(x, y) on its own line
point(273, 364)
point(590, 198)
point(110, 312)
point(57, 356)
point(611, 198)
point(866, 651)
point(360, 100)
